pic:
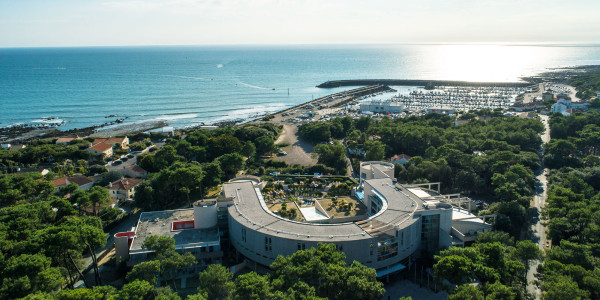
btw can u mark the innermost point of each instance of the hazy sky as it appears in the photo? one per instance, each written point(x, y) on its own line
point(200, 22)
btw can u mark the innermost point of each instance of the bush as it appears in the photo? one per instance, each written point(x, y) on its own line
point(109, 177)
point(96, 169)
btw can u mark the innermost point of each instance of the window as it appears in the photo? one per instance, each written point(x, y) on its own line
point(244, 235)
point(402, 239)
point(387, 250)
point(268, 244)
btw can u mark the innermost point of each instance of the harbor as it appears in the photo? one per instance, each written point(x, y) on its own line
point(397, 101)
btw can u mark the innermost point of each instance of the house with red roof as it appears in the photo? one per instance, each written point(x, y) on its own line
point(83, 182)
point(123, 141)
point(102, 148)
point(123, 189)
point(134, 171)
point(400, 159)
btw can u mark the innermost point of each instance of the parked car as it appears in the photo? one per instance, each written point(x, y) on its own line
point(118, 162)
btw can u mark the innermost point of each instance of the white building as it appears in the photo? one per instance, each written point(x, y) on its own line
point(375, 170)
point(382, 107)
point(195, 230)
point(102, 148)
point(444, 110)
point(123, 189)
point(401, 222)
point(399, 225)
point(84, 182)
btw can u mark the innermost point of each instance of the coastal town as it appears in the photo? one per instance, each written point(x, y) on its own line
point(299, 150)
point(288, 182)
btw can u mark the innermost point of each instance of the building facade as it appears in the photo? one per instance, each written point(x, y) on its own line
point(382, 107)
point(123, 189)
point(195, 230)
point(399, 224)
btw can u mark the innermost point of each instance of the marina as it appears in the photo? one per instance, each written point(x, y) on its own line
point(460, 98)
point(394, 102)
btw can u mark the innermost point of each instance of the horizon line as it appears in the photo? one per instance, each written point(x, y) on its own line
point(546, 44)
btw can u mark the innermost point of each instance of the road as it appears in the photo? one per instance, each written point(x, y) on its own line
point(537, 229)
point(530, 97)
point(132, 161)
point(126, 225)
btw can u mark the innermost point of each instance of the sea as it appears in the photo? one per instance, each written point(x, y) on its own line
point(191, 85)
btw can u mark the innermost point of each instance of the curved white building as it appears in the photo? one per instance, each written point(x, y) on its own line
point(401, 221)
point(399, 224)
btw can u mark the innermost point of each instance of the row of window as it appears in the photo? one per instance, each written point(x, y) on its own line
point(269, 243)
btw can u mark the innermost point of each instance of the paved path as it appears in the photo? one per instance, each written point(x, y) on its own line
point(125, 225)
point(538, 231)
point(530, 97)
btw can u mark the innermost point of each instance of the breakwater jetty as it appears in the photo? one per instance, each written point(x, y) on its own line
point(342, 97)
point(428, 84)
point(333, 100)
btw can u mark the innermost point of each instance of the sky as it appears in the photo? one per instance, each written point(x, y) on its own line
point(62, 23)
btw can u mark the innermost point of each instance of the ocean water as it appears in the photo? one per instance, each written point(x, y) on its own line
point(187, 85)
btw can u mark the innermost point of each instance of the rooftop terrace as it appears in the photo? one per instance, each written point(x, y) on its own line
point(161, 223)
point(250, 210)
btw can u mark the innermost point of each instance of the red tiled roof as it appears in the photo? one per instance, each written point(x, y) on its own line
point(101, 147)
point(59, 181)
point(137, 169)
point(399, 156)
point(123, 184)
point(77, 179)
point(80, 180)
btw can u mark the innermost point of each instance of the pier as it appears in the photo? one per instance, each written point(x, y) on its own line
point(334, 100)
point(428, 84)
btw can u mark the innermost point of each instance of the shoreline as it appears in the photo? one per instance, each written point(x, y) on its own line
point(365, 87)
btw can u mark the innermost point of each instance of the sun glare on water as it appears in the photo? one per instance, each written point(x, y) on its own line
point(485, 62)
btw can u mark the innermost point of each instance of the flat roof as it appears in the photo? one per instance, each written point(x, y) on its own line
point(401, 204)
point(378, 170)
point(161, 223)
point(419, 192)
point(465, 227)
point(463, 214)
point(249, 210)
